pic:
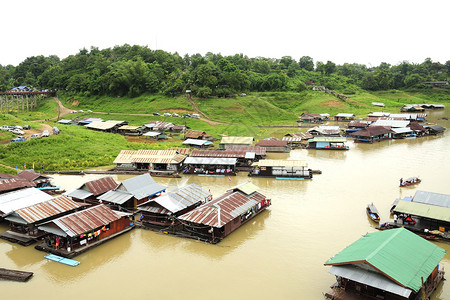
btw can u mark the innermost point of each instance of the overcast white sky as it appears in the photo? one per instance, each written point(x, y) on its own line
point(353, 31)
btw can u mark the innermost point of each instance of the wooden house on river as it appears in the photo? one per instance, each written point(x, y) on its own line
point(132, 192)
point(327, 143)
point(14, 200)
point(89, 191)
point(217, 218)
point(211, 166)
point(243, 141)
point(75, 233)
point(24, 222)
point(274, 145)
point(161, 212)
point(389, 264)
point(150, 160)
point(37, 178)
point(371, 134)
point(281, 169)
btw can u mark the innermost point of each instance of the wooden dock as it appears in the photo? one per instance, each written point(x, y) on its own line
point(15, 275)
point(14, 237)
point(168, 174)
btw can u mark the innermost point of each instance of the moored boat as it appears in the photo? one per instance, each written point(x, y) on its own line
point(409, 181)
point(372, 212)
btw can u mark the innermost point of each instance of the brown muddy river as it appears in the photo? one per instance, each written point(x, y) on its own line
point(279, 255)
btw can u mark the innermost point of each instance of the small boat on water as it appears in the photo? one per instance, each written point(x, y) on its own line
point(409, 181)
point(372, 212)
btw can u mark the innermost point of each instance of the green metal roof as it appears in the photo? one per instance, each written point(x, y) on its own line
point(424, 210)
point(397, 253)
point(332, 139)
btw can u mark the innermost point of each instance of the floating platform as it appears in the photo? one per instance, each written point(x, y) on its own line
point(14, 237)
point(63, 260)
point(15, 275)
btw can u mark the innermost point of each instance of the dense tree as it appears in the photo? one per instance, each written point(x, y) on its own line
point(306, 63)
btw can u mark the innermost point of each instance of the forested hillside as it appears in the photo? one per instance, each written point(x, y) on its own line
point(135, 70)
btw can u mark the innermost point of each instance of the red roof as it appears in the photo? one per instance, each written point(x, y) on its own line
point(371, 131)
point(31, 175)
point(272, 143)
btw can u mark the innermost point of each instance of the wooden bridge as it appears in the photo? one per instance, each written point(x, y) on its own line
point(21, 101)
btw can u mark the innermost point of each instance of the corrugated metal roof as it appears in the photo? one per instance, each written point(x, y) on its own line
point(397, 253)
point(231, 206)
point(371, 131)
point(153, 208)
point(152, 133)
point(182, 198)
point(184, 151)
point(370, 278)
point(197, 142)
point(391, 123)
point(291, 139)
point(15, 183)
point(218, 153)
point(31, 175)
point(79, 194)
point(245, 140)
point(129, 127)
point(117, 197)
point(101, 125)
point(47, 209)
point(102, 185)
point(260, 151)
point(432, 198)
point(325, 129)
point(272, 143)
point(280, 163)
point(85, 220)
point(247, 188)
point(22, 198)
point(401, 130)
point(194, 134)
point(210, 161)
point(331, 139)
point(424, 210)
point(345, 115)
point(141, 186)
point(149, 156)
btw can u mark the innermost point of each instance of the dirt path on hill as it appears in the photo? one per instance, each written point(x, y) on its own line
point(65, 111)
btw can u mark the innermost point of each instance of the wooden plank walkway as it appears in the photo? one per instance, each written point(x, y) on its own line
point(15, 275)
point(18, 238)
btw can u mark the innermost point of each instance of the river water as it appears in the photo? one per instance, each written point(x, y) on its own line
point(278, 255)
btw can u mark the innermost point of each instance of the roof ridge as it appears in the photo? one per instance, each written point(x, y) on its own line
point(382, 245)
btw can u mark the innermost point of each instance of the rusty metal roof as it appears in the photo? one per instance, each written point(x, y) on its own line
point(184, 151)
point(291, 139)
point(86, 220)
point(15, 183)
point(22, 198)
point(371, 131)
point(153, 208)
point(218, 153)
point(260, 151)
point(231, 204)
point(102, 185)
point(47, 209)
point(150, 156)
point(272, 143)
point(194, 134)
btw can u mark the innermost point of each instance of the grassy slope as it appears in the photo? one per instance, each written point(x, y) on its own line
point(252, 115)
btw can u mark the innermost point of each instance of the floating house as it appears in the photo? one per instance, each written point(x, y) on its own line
point(14, 200)
point(132, 192)
point(149, 160)
point(212, 166)
point(75, 233)
point(198, 143)
point(274, 145)
point(412, 108)
point(241, 141)
point(281, 169)
point(24, 222)
point(13, 184)
point(390, 264)
point(344, 117)
point(161, 212)
point(216, 219)
point(197, 134)
point(403, 133)
point(391, 123)
point(434, 129)
point(37, 178)
point(325, 131)
point(293, 142)
point(89, 191)
point(371, 134)
point(260, 152)
point(244, 158)
point(328, 143)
